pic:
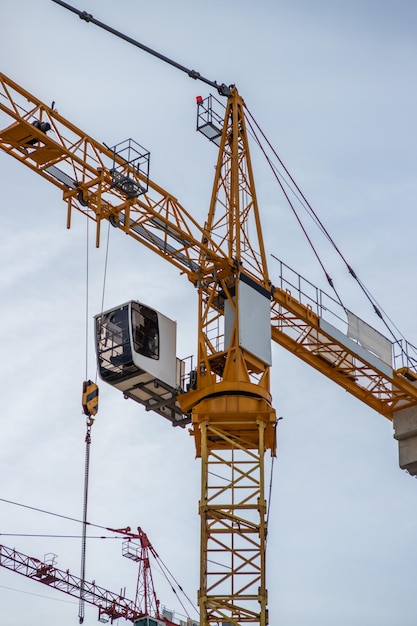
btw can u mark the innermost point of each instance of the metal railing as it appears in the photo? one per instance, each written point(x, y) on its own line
point(404, 354)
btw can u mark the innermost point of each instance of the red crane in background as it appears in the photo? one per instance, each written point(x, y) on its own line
point(145, 600)
point(111, 606)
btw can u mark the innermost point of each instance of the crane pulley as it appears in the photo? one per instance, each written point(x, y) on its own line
point(90, 398)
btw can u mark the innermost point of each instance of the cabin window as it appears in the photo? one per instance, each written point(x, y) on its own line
point(113, 342)
point(145, 331)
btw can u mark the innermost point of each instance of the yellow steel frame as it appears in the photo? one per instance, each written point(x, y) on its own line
point(155, 219)
point(232, 434)
point(297, 328)
point(158, 221)
point(233, 528)
point(233, 422)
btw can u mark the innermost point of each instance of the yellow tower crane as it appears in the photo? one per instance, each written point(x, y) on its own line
point(227, 399)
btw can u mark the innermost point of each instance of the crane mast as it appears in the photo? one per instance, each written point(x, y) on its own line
point(233, 421)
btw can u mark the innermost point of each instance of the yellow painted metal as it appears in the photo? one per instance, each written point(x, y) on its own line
point(158, 221)
point(212, 257)
point(90, 398)
point(81, 167)
point(297, 328)
point(233, 421)
point(233, 527)
point(233, 220)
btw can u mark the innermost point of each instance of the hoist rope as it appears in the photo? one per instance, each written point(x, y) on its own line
point(271, 477)
point(103, 292)
point(87, 297)
point(307, 206)
point(67, 517)
point(170, 578)
point(278, 178)
point(306, 202)
point(106, 259)
point(383, 316)
point(58, 536)
point(84, 530)
point(89, 422)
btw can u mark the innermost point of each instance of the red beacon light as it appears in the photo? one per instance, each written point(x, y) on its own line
point(199, 99)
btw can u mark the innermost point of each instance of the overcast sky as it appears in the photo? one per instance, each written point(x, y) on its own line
point(332, 84)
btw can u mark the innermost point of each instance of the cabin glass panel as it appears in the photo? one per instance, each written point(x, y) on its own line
point(145, 330)
point(136, 343)
point(113, 343)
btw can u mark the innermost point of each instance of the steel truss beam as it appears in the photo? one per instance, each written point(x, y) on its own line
point(233, 529)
